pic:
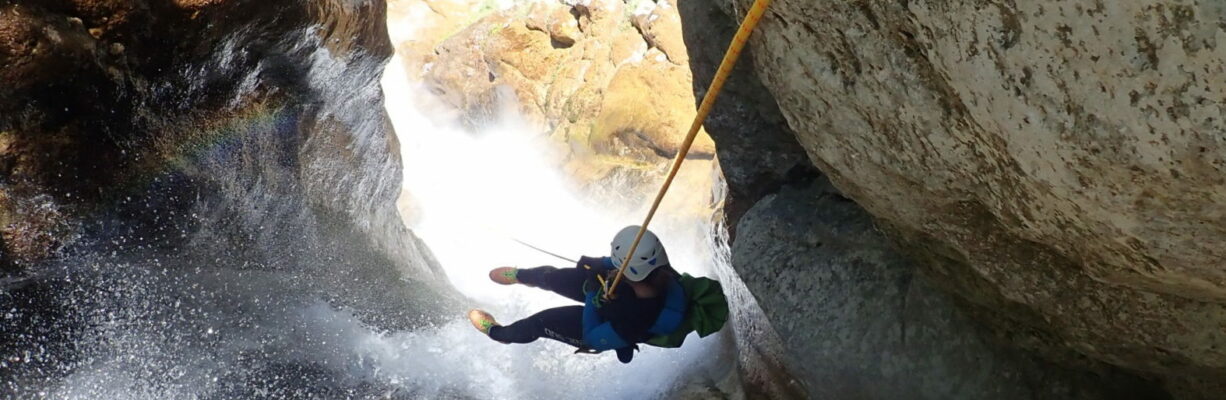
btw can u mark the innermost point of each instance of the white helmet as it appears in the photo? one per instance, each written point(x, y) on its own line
point(647, 257)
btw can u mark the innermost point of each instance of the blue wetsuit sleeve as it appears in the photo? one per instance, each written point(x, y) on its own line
point(597, 333)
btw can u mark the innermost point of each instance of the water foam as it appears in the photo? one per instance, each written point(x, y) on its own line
point(472, 192)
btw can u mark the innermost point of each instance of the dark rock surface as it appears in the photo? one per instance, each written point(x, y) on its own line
point(757, 154)
point(100, 97)
point(1056, 164)
point(907, 107)
point(757, 151)
point(859, 323)
point(173, 173)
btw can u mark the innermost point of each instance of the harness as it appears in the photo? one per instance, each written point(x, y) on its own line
point(599, 333)
point(691, 304)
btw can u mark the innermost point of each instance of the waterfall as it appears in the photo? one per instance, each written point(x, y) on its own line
point(471, 195)
point(249, 247)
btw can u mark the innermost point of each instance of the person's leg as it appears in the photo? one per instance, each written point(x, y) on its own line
point(564, 281)
point(564, 324)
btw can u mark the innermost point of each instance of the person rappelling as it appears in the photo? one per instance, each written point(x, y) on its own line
point(653, 305)
point(656, 306)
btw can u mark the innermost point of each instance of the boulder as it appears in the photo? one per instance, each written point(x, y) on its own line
point(857, 321)
point(608, 85)
point(1055, 165)
point(660, 25)
point(561, 23)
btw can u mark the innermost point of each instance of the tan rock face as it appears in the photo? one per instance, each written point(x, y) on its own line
point(417, 26)
point(607, 82)
point(1059, 164)
point(661, 28)
point(561, 23)
point(639, 106)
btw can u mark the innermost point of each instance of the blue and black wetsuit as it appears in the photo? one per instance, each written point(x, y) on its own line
point(616, 325)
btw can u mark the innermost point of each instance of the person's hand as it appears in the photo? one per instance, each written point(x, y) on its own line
point(593, 293)
point(596, 281)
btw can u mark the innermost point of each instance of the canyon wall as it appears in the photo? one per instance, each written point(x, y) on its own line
point(1055, 167)
point(174, 173)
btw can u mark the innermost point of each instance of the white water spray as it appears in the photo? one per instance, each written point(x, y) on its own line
point(473, 194)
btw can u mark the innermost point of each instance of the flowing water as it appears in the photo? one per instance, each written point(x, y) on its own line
point(474, 197)
point(218, 275)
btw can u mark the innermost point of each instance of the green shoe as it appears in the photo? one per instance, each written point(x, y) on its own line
point(505, 275)
point(482, 320)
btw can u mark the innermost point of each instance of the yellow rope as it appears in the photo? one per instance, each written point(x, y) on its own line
point(708, 100)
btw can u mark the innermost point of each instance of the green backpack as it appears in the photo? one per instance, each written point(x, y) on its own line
point(706, 312)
